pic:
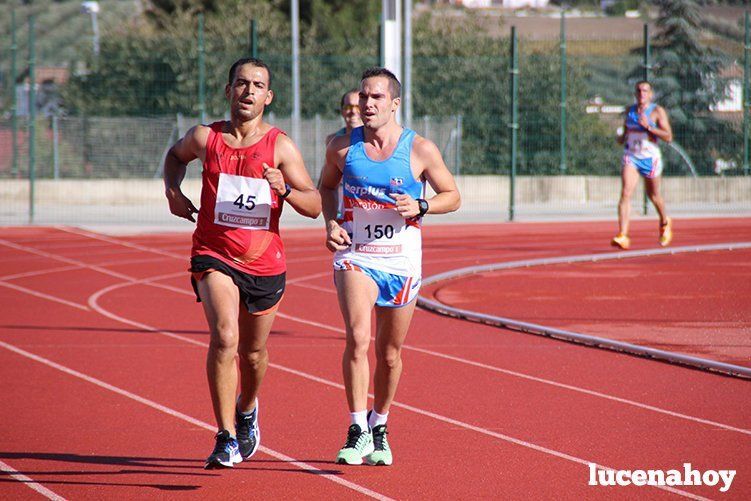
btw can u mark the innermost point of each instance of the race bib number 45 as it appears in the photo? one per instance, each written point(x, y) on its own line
point(243, 202)
point(377, 231)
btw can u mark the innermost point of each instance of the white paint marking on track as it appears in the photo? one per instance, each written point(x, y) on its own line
point(30, 482)
point(35, 273)
point(197, 422)
point(151, 281)
point(132, 281)
point(454, 422)
point(43, 295)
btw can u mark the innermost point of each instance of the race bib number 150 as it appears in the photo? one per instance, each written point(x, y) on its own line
point(377, 231)
point(243, 202)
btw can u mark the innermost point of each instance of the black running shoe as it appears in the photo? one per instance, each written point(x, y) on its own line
point(226, 452)
point(248, 433)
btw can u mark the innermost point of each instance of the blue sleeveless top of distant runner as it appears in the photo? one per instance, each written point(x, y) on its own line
point(632, 118)
point(640, 148)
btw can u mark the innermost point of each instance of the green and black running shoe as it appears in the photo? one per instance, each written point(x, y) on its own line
point(359, 444)
point(381, 455)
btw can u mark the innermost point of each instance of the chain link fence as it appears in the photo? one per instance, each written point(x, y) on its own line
point(102, 131)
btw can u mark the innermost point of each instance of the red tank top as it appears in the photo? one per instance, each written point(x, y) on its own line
point(241, 228)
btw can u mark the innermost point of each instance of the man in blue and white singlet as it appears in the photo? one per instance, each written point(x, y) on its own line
point(383, 168)
point(645, 124)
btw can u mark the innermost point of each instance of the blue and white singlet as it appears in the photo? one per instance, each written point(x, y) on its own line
point(640, 148)
point(381, 239)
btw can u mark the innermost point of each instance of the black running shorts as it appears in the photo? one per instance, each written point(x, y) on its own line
point(261, 295)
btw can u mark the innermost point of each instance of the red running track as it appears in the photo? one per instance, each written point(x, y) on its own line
point(695, 303)
point(102, 354)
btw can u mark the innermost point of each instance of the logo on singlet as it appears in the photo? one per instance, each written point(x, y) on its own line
point(365, 190)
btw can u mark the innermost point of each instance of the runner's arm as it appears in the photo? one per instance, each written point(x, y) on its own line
point(190, 147)
point(290, 170)
point(663, 130)
point(427, 157)
point(331, 176)
point(621, 138)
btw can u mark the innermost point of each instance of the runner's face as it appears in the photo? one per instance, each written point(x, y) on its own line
point(643, 94)
point(376, 105)
point(249, 93)
point(351, 110)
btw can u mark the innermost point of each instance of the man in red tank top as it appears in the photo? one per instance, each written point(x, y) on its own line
point(237, 261)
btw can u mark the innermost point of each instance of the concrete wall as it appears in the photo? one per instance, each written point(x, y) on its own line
point(71, 201)
point(476, 190)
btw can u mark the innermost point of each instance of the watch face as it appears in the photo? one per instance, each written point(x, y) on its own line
point(423, 206)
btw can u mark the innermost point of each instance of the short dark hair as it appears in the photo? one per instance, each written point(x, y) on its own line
point(247, 60)
point(637, 84)
point(344, 96)
point(376, 71)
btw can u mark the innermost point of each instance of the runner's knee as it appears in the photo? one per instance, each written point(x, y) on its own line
point(224, 341)
point(357, 344)
point(254, 358)
point(390, 356)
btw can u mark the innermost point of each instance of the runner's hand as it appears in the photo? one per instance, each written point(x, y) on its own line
point(275, 178)
point(643, 120)
point(336, 237)
point(180, 205)
point(406, 206)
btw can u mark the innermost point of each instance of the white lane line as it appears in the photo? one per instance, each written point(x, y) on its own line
point(315, 378)
point(151, 281)
point(177, 414)
point(437, 306)
point(454, 422)
point(39, 272)
point(48, 255)
point(528, 377)
point(103, 238)
point(29, 482)
point(43, 295)
point(322, 274)
point(318, 288)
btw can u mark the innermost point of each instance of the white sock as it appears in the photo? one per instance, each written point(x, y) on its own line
point(377, 419)
point(360, 418)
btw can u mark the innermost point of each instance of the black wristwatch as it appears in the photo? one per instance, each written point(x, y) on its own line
point(424, 207)
point(286, 193)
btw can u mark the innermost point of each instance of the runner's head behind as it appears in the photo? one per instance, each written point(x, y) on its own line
point(380, 97)
point(350, 109)
point(248, 89)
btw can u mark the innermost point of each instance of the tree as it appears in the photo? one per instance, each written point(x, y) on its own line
point(687, 80)
point(460, 69)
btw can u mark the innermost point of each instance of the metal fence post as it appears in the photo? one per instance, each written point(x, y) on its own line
point(563, 92)
point(296, 109)
point(458, 146)
point(253, 39)
point(645, 76)
point(55, 147)
point(746, 91)
point(514, 125)
point(317, 149)
point(407, 75)
point(32, 119)
point(14, 98)
point(201, 71)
